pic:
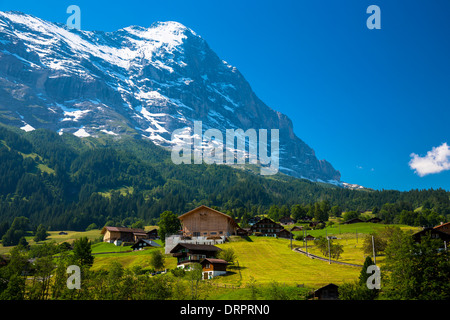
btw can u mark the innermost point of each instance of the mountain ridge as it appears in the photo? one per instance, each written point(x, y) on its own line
point(133, 81)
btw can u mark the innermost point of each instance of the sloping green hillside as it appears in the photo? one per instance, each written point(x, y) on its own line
point(65, 182)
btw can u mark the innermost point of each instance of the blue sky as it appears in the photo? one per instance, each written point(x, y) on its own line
point(364, 100)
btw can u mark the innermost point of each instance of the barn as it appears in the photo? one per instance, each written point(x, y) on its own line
point(206, 222)
point(328, 292)
point(118, 235)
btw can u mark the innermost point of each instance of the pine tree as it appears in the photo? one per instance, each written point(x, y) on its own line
point(82, 252)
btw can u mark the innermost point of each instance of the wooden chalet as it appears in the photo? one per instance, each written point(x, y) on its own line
point(354, 220)
point(207, 222)
point(142, 243)
point(374, 220)
point(314, 224)
point(433, 233)
point(287, 221)
point(444, 227)
point(117, 235)
point(284, 234)
point(153, 234)
point(243, 232)
point(309, 238)
point(213, 267)
point(251, 221)
point(328, 292)
point(266, 227)
point(297, 228)
point(187, 253)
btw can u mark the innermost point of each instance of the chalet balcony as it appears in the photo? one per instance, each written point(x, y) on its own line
point(192, 258)
point(178, 254)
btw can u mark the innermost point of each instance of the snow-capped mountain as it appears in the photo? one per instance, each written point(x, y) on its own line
point(137, 80)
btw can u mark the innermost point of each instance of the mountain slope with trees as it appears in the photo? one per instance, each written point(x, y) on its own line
point(65, 182)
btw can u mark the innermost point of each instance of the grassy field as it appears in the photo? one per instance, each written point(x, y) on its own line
point(268, 259)
point(264, 259)
point(54, 236)
point(351, 236)
point(106, 253)
point(259, 259)
point(361, 228)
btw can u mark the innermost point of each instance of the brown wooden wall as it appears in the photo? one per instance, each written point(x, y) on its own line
point(216, 267)
point(207, 222)
point(111, 235)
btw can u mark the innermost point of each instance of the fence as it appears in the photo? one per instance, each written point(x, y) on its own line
point(259, 285)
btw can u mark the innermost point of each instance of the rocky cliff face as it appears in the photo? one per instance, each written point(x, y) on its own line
point(145, 81)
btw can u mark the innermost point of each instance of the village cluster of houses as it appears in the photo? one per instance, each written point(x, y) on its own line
point(203, 227)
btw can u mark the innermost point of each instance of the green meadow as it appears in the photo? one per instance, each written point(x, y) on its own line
point(261, 261)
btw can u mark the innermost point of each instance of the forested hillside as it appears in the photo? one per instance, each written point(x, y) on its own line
point(65, 182)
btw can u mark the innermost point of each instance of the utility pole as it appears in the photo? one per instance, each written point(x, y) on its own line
point(329, 252)
point(291, 239)
point(304, 237)
point(373, 248)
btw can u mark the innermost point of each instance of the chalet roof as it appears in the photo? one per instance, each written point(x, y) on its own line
point(123, 230)
point(214, 261)
point(442, 235)
point(263, 221)
point(266, 219)
point(441, 225)
point(354, 220)
point(196, 247)
point(210, 209)
point(328, 286)
point(149, 242)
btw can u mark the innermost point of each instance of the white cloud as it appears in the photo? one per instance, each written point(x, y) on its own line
point(436, 160)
